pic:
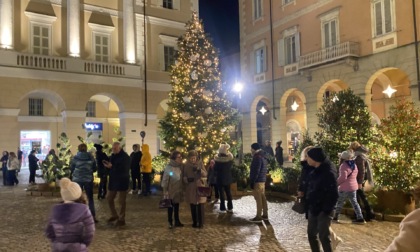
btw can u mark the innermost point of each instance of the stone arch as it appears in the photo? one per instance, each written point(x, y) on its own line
point(103, 96)
point(260, 124)
point(335, 85)
point(52, 97)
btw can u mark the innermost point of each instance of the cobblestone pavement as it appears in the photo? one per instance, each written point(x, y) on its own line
point(24, 219)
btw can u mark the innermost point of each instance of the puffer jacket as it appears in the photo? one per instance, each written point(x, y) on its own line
point(70, 227)
point(146, 159)
point(222, 168)
point(83, 166)
point(347, 181)
point(258, 167)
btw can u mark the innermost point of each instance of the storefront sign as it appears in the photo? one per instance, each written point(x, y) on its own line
point(93, 126)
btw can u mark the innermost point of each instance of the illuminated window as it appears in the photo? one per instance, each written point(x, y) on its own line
point(101, 47)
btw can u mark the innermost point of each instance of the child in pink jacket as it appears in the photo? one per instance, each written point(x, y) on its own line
point(347, 186)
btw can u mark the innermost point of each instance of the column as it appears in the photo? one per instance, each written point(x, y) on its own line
point(73, 27)
point(72, 126)
point(6, 24)
point(129, 34)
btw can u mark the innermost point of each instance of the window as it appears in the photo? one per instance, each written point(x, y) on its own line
point(101, 48)
point(169, 53)
point(260, 60)
point(383, 18)
point(289, 47)
point(287, 1)
point(290, 50)
point(36, 106)
point(91, 109)
point(40, 39)
point(168, 4)
point(257, 9)
point(330, 33)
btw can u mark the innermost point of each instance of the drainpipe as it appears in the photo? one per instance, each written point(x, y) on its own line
point(416, 46)
point(145, 63)
point(272, 61)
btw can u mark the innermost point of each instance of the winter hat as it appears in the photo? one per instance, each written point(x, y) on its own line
point(98, 146)
point(317, 154)
point(70, 191)
point(255, 146)
point(224, 148)
point(346, 155)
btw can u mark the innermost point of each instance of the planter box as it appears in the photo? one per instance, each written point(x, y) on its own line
point(395, 202)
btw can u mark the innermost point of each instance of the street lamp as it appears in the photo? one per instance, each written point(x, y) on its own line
point(237, 88)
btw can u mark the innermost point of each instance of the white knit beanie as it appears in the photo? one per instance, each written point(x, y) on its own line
point(223, 149)
point(70, 191)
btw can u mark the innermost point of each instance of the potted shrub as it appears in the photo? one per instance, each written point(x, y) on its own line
point(395, 155)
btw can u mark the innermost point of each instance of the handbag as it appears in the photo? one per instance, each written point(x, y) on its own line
point(203, 191)
point(165, 203)
point(299, 206)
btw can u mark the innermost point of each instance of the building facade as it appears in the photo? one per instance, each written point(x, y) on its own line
point(295, 53)
point(84, 66)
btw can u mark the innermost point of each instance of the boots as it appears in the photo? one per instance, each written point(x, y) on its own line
point(194, 215)
point(176, 213)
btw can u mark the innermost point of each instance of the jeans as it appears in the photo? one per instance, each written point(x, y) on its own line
point(222, 190)
point(216, 192)
point(32, 175)
point(319, 225)
point(175, 210)
point(11, 178)
point(342, 197)
point(4, 170)
point(259, 196)
point(88, 188)
point(146, 181)
point(362, 197)
point(122, 202)
point(135, 178)
point(102, 186)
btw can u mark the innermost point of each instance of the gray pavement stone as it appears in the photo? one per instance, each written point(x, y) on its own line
point(24, 219)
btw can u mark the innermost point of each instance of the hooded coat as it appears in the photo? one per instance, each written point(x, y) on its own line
point(172, 181)
point(222, 168)
point(146, 159)
point(83, 166)
point(70, 227)
point(193, 176)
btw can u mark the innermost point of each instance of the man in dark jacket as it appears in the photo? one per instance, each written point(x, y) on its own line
point(268, 149)
point(222, 168)
point(135, 158)
point(119, 179)
point(102, 171)
point(258, 177)
point(321, 197)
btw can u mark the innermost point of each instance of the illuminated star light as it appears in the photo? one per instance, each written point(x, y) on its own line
point(295, 106)
point(389, 91)
point(263, 110)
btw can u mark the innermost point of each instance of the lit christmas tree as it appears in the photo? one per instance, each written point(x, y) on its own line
point(199, 115)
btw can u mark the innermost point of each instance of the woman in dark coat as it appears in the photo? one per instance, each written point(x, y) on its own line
point(33, 166)
point(279, 153)
point(3, 161)
point(222, 167)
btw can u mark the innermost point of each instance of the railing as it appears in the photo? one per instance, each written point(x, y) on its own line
point(40, 61)
point(332, 53)
point(102, 68)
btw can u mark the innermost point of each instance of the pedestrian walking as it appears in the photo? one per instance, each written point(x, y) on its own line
point(119, 179)
point(3, 161)
point(279, 153)
point(82, 166)
point(212, 182)
point(173, 187)
point(258, 176)
point(33, 166)
point(70, 225)
point(194, 175)
point(321, 197)
point(347, 186)
point(146, 169)
point(12, 169)
point(135, 158)
point(222, 167)
point(364, 175)
point(102, 171)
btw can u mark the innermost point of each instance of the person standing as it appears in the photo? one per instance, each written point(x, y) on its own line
point(146, 168)
point(70, 225)
point(258, 176)
point(135, 158)
point(362, 162)
point(12, 169)
point(3, 161)
point(268, 149)
point(33, 166)
point(347, 186)
point(321, 197)
point(279, 153)
point(102, 171)
point(222, 167)
point(172, 187)
point(193, 176)
point(119, 180)
point(304, 177)
point(19, 156)
point(212, 182)
point(83, 166)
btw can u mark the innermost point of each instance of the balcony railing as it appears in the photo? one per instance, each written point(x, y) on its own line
point(67, 64)
point(333, 53)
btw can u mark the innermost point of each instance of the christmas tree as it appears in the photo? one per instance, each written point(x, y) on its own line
point(199, 115)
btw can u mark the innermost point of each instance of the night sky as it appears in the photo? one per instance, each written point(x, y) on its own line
point(221, 21)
